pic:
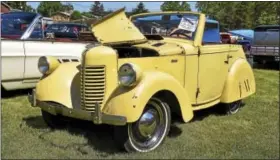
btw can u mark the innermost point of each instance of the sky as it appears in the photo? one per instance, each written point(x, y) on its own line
point(85, 6)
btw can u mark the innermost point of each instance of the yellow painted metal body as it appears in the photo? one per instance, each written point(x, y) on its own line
point(219, 72)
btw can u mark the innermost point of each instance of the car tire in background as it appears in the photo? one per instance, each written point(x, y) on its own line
point(149, 131)
point(53, 121)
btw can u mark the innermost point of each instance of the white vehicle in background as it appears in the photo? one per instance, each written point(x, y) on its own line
point(265, 48)
point(23, 41)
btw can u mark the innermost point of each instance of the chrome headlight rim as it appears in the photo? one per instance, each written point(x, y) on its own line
point(43, 65)
point(128, 74)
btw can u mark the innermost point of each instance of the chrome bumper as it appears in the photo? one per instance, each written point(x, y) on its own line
point(57, 109)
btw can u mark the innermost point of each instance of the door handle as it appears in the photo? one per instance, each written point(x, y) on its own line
point(228, 57)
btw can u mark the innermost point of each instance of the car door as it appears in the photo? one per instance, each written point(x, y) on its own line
point(12, 60)
point(212, 65)
point(213, 68)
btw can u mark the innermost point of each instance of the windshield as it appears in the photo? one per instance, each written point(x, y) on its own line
point(65, 28)
point(15, 24)
point(174, 25)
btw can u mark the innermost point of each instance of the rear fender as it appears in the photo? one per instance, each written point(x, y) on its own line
point(240, 82)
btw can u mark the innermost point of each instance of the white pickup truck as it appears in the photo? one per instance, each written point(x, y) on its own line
point(22, 43)
point(265, 48)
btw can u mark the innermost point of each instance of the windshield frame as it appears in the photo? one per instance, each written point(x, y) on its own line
point(197, 41)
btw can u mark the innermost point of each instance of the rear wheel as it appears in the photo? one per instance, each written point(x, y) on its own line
point(149, 131)
point(53, 121)
point(233, 108)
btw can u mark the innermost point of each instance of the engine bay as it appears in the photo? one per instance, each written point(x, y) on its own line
point(135, 52)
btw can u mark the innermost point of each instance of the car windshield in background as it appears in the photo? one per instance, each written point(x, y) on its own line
point(168, 24)
point(64, 28)
point(15, 24)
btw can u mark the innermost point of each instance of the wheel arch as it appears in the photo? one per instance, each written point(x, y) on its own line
point(134, 100)
point(171, 100)
point(240, 82)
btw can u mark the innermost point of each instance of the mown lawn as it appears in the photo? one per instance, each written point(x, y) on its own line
point(252, 133)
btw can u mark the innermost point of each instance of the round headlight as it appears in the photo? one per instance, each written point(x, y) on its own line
point(43, 65)
point(47, 65)
point(129, 74)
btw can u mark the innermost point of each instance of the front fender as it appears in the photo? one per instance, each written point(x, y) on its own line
point(61, 86)
point(240, 82)
point(130, 102)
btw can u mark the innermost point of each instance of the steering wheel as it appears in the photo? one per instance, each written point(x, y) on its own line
point(179, 33)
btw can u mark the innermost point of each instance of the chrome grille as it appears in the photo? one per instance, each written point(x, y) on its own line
point(92, 87)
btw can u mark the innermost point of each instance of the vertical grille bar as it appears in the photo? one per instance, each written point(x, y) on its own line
point(92, 87)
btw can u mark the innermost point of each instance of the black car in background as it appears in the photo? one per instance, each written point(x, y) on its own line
point(66, 30)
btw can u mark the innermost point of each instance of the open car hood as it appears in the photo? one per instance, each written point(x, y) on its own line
point(116, 28)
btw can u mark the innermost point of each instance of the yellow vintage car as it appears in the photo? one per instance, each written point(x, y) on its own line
point(144, 68)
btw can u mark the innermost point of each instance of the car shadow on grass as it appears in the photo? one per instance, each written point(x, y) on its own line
point(100, 137)
point(15, 93)
point(216, 110)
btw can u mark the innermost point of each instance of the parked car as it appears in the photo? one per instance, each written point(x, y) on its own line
point(227, 38)
point(66, 30)
point(244, 37)
point(23, 42)
point(265, 48)
point(135, 81)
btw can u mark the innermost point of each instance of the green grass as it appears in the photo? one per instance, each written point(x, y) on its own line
point(252, 133)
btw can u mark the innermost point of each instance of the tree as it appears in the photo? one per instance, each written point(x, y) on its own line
point(87, 14)
point(76, 15)
point(68, 7)
point(47, 9)
point(97, 9)
point(108, 12)
point(139, 9)
point(236, 15)
point(175, 6)
point(21, 5)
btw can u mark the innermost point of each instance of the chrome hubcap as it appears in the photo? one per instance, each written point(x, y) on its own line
point(148, 123)
point(149, 129)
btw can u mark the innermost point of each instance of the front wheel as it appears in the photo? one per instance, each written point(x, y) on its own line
point(149, 131)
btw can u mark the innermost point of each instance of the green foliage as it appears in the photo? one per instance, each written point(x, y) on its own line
point(87, 14)
point(97, 8)
point(175, 6)
point(235, 15)
point(68, 7)
point(76, 15)
point(139, 9)
point(21, 5)
point(47, 9)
